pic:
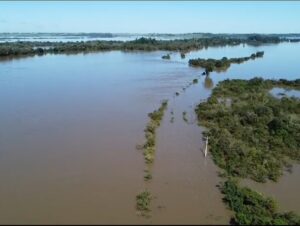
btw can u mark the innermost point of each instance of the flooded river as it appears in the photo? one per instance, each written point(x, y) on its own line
point(70, 125)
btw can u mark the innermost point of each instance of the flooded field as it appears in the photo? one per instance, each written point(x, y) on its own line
point(70, 125)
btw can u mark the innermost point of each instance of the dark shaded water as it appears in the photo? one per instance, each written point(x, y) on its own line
point(70, 124)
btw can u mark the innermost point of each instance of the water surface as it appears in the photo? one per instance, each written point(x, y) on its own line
point(70, 124)
point(281, 92)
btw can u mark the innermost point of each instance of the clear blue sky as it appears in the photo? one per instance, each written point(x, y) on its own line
point(148, 17)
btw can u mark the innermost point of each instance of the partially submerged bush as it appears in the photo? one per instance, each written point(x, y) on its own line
point(148, 175)
point(143, 201)
point(251, 208)
point(184, 116)
point(166, 57)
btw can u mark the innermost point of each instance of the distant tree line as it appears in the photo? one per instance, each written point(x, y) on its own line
point(22, 48)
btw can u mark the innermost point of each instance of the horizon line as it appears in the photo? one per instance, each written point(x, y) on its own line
point(136, 33)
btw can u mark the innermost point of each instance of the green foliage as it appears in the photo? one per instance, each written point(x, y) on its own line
point(150, 132)
point(252, 134)
point(251, 208)
point(223, 64)
point(143, 201)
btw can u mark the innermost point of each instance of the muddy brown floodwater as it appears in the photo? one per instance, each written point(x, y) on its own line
point(184, 181)
point(70, 125)
point(285, 191)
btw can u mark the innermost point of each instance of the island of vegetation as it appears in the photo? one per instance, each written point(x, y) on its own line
point(252, 135)
point(223, 64)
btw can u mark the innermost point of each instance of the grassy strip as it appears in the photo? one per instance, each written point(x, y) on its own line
point(251, 208)
point(223, 64)
point(150, 132)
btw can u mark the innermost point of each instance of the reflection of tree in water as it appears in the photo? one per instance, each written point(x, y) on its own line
point(208, 82)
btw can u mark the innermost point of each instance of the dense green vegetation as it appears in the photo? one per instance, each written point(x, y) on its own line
point(22, 48)
point(143, 201)
point(251, 208)
point(256, 135)
point(150, 132)
point(252, 134)
point(223, 64)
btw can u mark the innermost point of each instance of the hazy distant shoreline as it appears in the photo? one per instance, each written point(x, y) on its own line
point(67, 37)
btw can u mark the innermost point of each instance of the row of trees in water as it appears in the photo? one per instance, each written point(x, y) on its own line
point(223, 64)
